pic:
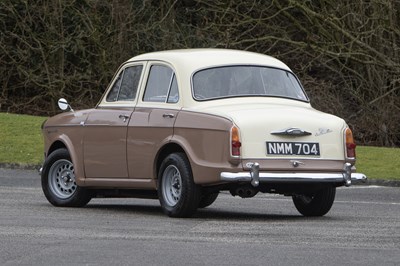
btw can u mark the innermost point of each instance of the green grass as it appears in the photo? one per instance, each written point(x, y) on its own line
point(21, 142)
point(379, 162)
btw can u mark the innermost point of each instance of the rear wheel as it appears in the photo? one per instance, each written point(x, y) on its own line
point(315, 204)
point(207, 200)
point(59, 183)
point(178, 194)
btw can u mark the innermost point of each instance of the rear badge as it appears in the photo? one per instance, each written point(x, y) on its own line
point(323, 131)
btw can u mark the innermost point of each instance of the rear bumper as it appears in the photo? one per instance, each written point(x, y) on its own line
point(254, 176)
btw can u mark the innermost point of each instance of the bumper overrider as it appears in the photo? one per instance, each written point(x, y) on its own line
point(255, 177)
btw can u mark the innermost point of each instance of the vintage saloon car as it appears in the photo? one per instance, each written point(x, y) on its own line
point(183, 125)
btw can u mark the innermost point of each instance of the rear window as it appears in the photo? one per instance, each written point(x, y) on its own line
point(239, 81)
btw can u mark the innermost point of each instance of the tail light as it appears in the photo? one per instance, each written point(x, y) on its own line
point(350, 144)
point(235, 142)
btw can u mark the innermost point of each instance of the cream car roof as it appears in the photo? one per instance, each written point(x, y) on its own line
point(191, 60)
point(185, 62)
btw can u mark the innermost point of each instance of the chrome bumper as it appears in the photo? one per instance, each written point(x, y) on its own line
point(255, 177)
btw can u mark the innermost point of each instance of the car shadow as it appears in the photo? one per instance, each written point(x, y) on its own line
point(218, 214)
point(127, 208)
point(204, 214)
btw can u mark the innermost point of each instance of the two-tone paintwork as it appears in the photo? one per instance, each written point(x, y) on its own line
point(121, 144)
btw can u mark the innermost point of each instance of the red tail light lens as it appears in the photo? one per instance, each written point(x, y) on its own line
point(235, 141)
point(350, 144)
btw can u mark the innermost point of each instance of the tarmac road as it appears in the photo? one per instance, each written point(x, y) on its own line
point(362, 228)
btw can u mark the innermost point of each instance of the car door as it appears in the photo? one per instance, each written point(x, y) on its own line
point(152, 123)
point(106, 126)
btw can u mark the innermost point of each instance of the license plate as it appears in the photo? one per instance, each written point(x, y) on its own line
point(293, 148)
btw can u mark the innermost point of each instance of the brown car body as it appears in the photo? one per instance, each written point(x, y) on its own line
point(122, 148)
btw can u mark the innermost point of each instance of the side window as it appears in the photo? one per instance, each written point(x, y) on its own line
point(173, 96)
point(126, 85)
point(113, 94)
point(161, 85)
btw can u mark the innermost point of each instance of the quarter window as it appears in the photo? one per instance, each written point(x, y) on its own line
point(126, 84)
point(161, 85)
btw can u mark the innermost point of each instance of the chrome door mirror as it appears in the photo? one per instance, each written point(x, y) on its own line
point(64, 105)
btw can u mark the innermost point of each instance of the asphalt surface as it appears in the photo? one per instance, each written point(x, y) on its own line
point(362, 228)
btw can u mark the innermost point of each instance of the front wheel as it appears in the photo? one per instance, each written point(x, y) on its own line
point(59, 184)
point(178, 194)
point(315, 204)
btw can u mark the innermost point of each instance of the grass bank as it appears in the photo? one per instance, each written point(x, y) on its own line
point(379, 162)
point(21, 139)
point(21, 142)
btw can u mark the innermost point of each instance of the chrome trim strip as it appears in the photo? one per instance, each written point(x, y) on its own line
point(290, 177)
point(255, 177)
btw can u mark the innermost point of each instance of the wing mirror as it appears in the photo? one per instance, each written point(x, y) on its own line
point(64, 105)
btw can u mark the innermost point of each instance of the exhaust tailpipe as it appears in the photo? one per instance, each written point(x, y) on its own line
point(244, 192)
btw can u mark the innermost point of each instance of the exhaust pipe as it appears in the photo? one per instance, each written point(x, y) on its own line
point(244, 192)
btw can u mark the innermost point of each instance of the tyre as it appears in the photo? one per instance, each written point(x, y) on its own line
point(315, 204)
point(207, 200)
point(59, 184)
point(178, 194)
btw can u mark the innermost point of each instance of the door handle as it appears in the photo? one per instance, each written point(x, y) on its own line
point(168, 115)
point(123, 117)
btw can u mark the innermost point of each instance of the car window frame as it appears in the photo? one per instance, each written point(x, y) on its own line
point(307, 100)
point(123, 103)
point(145, 78)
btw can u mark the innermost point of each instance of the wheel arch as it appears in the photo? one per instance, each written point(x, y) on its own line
point(58, 144)
point(166, 150)
point(63, 142)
